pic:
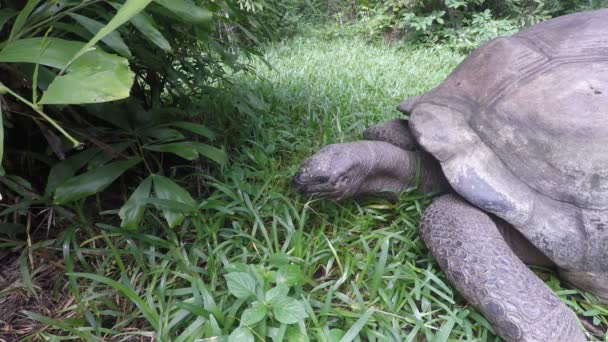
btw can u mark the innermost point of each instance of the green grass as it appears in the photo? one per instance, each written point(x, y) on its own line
point(296, 267)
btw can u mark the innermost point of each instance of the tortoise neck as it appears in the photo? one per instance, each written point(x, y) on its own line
point(389, 168)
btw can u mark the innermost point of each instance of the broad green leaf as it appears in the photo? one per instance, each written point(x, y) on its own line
point(276, 294)
point(289, 275)
point(279, 259)
point(92, 83)
point(95, 77)
point(194, 128)
point(162, 133)
point(112, 39)
point(22, 18)
point(73, 28)
point(56, 53)
point(169, 205)
point(125, 13)
point(190, 150)
point(5, 15)
point(240, 284)
point(254, 314)
point(354, 330)
point(66, 169)
point(241, 334)
point(294, 335)
point(146, 25)
point(91, 182)
point(132, 211)
point(166, 189)
point(182, 149)
point(108, 154)
point(276, 334)
point(187, 11)
point(210, 152)
point(53, 52)
point(237, 267)
point(11, 228)
point(48, 9)
point(288, 310)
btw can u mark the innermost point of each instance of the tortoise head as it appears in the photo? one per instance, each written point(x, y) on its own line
point(337, 171)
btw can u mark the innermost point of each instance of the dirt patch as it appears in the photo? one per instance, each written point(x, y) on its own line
point(47, 299)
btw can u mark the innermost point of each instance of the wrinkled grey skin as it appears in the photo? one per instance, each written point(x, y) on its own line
point(519, 131)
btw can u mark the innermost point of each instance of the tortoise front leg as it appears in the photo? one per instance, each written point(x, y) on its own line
point(480, 264)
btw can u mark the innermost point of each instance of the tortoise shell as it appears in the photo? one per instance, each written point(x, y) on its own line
point(520, 128)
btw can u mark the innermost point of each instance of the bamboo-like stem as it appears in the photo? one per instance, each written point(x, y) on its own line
point(36, 108)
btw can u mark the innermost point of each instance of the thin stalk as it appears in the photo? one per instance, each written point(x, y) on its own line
point(77, 144)
point(143, 156)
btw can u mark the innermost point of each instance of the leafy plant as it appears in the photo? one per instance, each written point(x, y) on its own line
point(462, 24)
point(66, 60)
point(481, 28)
point(131, 84)
point(71, 75)
point(422, 23)
point(266, 304)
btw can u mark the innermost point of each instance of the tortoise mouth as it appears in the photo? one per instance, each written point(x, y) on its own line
point(319, 186)
point(301, 181)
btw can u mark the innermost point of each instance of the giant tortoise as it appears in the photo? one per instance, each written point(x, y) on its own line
point(519, 131)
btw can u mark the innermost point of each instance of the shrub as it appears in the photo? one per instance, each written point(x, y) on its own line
point(462, 24)
point(96, 90)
